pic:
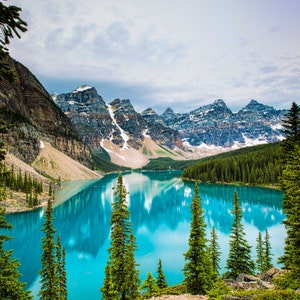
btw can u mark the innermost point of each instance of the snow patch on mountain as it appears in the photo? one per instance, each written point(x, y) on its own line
point(124, 136)
point(253, 142)
point(82, 88)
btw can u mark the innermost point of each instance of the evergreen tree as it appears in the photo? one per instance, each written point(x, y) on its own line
point(10, 25)
point(161, 278)
point(267, 262)
point(291, 208)
point(291, 128)
point(10, 286)
point(149, 286)
point(122, 266)
point(49, 288)
point(61, 271)
point(198, 272)
point(290, 183)
point(239, 258)
point(108, 289)
point(215, 252)
point(291, 123)
point(259, 253)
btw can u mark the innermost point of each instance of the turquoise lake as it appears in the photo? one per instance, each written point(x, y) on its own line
point(159, 204)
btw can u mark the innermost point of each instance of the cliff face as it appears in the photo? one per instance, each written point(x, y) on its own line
point(116, 121)
point(35, 117)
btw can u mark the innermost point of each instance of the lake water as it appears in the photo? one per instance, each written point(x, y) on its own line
point(159, 204)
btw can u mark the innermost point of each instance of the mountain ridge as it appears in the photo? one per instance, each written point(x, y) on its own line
point(213, 126)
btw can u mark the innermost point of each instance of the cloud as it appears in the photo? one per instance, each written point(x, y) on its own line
point(165, 53)
point(269, 68)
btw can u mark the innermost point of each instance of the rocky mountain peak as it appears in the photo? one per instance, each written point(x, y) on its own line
point(220, 103)
point(168, 111)
point(255, 106)
point(148, 111)
point(151, 117)
point(217, 110)
point(81, 95)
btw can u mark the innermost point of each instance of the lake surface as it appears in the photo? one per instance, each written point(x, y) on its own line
point(159, 204)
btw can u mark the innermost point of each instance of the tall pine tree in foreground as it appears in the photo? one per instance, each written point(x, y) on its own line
point(267, 262)
point(49, 288)
point(61, 271)
point(291, 208)
point(53, 273)
point(198, 271)
point(161, 278)
point(214, 249)
point(290, 182)
point(123, 282)
point(10, 285)
point(239, 258)
point(259, 253)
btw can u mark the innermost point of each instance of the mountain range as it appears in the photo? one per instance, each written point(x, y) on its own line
point(117, 127)
point(81, 125)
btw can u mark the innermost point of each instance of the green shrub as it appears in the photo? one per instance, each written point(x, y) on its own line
point(219, 289)
point(278, 295)
point(286, 281)
point(172, 290)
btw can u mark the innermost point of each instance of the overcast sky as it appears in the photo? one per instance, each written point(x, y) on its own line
point(160, 53)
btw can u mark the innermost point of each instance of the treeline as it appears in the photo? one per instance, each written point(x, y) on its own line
point(258, 165)
point(20, 182)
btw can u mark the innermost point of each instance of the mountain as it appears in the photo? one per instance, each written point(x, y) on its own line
point(116, 127)
point(215, 125)
point(33, 119)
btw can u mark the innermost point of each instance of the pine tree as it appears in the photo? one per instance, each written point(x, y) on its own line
point(215, 252)
point(259, 253)
point(267, 262)
point(291, 123)
point(198, 272)
point(239, 258)
point(124, 276)
point(49, 288)
point(291, 208)
point(108, 289)
point(10, 286)
point(61, 271)
point(149, 286)
point(161, 278)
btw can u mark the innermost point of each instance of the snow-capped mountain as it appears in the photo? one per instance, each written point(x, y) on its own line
point(116, 123)
point(216, 125)
point(213, 125)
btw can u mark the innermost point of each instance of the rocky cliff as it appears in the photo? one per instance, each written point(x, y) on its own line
point(32, 117)
point(116, 121)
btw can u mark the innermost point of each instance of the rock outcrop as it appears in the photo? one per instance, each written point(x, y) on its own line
point(31, 116)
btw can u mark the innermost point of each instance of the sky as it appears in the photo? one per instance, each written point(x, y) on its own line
point(181, 54)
